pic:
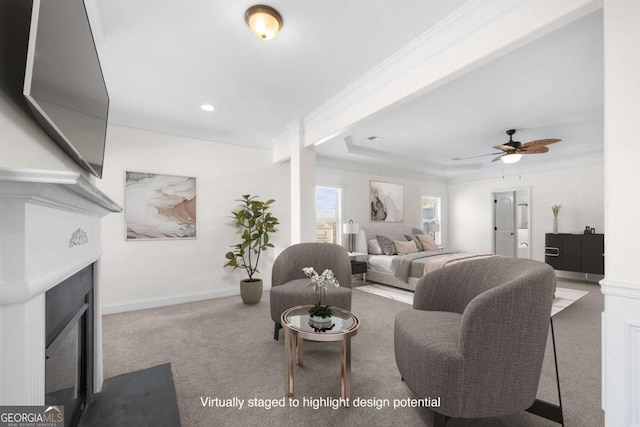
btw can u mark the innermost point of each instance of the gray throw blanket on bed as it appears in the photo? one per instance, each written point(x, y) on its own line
point(401, 264)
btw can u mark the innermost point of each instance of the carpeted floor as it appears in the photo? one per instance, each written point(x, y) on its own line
point(222, 349)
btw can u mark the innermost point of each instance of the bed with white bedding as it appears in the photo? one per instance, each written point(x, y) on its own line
point(403, 271)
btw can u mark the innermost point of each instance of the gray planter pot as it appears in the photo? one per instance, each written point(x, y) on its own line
point(251, 292)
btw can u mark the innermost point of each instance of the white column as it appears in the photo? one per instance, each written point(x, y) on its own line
point(621, 286)
point(303, 187)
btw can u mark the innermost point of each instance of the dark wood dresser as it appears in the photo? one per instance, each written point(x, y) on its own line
point(582, 253)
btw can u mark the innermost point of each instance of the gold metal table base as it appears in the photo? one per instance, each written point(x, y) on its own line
point(293, 344)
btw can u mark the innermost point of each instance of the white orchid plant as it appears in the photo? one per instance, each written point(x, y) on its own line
point(555, 207)
point(320, 283)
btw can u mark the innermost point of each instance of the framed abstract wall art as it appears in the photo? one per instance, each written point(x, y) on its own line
point(386, 202)
point(159, 206)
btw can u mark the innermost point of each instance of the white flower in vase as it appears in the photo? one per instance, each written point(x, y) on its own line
point(320, 282)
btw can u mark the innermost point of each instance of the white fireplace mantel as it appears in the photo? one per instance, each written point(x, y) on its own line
point(39, 213)
point(49, 230)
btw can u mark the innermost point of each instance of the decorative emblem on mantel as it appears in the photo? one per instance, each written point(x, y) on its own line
point(79, 237)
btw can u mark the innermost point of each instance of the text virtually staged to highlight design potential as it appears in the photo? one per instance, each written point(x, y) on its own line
point(238, 214)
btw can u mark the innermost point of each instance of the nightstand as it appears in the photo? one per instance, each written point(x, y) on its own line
point(359, 267)
point(356, 254)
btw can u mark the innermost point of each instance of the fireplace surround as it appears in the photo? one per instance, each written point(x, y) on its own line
point(49, 232)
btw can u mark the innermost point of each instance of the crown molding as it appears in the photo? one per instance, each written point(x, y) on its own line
point(386, 170)
point(404, 159)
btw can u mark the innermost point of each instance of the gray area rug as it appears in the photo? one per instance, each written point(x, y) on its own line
point(141, 398)
point(222, 349)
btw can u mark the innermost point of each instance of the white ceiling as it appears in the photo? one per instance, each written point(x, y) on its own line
point(550, 88)
point(162, 59)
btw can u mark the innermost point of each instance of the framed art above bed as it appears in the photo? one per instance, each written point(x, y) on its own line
point(386, 202)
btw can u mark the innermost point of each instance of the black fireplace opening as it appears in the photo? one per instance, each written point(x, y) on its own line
point(69, 344)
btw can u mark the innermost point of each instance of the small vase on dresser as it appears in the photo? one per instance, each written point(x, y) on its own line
point(555, 208)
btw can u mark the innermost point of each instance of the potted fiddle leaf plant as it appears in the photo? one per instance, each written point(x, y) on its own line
point(256, 224)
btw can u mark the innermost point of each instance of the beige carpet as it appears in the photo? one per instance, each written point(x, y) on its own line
point(222, 349)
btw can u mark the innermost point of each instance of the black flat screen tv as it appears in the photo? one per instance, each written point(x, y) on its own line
point(64, 84)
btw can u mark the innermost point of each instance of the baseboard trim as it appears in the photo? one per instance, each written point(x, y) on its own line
point(583, 277)
point(166, 301)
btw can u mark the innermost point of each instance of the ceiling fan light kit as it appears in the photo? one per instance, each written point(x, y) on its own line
point(264, 21)
point(511, 158)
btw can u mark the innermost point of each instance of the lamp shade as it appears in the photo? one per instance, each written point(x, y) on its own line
point(264, 21)
point(433, 227)
point(350, 227)
point(512, 158)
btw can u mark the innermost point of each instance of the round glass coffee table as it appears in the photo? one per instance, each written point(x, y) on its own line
point(297, 327)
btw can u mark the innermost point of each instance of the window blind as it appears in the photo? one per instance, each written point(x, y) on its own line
point(328, 214)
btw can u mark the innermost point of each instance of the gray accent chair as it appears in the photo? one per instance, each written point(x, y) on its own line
point(290, 287)
point(476, 336)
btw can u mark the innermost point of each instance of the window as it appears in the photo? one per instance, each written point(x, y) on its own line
point(328, 214)
point(431, 220)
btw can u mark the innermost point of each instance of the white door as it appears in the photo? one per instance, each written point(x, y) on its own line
point(504, 227)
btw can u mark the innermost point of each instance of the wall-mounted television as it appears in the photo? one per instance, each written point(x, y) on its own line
point(64, 84)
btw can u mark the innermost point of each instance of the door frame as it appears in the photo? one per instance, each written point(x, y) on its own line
point(515, 205)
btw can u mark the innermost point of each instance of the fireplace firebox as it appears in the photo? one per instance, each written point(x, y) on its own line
point(69, 343)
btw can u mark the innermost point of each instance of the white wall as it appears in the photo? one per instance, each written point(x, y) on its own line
point(579, 190)
point(139, 274)
point(355, 187)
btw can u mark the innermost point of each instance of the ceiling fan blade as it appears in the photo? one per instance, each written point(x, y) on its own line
point(504, 147)
point(539, 143)
point(534, 150)
point(499, 157)
point(481, 155)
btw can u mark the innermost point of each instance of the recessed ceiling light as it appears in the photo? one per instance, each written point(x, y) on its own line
point(375, 138)
point(207, 107)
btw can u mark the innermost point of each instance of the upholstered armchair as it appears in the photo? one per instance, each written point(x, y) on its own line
point(290, 287)
point(476, 336)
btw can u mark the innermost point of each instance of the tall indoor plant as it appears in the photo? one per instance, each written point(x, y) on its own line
point(256, 224)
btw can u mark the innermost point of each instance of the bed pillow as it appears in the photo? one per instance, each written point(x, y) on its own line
point(373, 247)
point(415, 239)
point(427, 242)
point(405, 248)
point(387, 245)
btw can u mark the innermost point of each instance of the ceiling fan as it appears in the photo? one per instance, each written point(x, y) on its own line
point(512, 151)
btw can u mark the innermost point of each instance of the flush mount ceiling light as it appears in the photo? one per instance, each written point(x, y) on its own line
point(264, 21)
point(207, 107)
